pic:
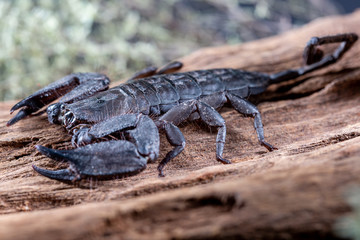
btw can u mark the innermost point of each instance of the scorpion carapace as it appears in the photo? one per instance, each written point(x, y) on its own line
point(151, 101)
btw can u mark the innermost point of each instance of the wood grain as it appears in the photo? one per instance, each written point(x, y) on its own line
point(294, 192)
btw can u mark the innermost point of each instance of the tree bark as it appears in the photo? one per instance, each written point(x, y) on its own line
point(294, 192)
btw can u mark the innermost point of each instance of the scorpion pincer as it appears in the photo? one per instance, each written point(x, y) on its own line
point(150, 101)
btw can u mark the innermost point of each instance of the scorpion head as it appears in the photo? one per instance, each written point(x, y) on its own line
point(53, 112)
point(58, 114)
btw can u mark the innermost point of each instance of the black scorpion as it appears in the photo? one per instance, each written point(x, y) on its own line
point(151, 101)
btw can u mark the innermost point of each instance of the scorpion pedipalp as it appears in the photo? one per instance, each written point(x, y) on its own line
point(98, 160)
point(64, 175)
point(73, 87)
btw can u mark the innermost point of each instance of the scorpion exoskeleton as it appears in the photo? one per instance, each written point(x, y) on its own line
point(151, 101)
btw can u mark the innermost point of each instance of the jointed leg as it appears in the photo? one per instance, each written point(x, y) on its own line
point(146, 72)
point(170, 68)
point(248, 109)
point(151, 71)
point(175, 138)
point(212, 118)
point(208, 114)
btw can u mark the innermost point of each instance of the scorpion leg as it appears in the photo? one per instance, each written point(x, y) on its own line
point(212, 118)
point(313, 56)
point(248, 109)
point(171, 67)
point(73, 87)
point(151, 71)
point(207, 114)
point(175, 138)
point(146, 72)
point(98, 160)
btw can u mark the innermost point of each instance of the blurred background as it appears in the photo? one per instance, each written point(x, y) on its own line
point(45, 40)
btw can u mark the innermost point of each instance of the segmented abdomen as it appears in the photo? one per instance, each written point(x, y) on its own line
point(159, 93)
point(156, 95)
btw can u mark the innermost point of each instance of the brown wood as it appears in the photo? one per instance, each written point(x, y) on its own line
point(295, 191)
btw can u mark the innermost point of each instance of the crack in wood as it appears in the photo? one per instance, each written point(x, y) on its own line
point(325, 142)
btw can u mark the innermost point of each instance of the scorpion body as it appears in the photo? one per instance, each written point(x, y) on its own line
point(151, 101)
point(156, 95)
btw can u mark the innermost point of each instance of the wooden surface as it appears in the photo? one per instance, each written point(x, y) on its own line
point(294, 192)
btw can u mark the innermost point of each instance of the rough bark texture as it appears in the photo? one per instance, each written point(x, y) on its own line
point(294, 192)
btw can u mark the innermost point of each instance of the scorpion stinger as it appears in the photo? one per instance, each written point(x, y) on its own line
point(313, 56)
point(73, 87)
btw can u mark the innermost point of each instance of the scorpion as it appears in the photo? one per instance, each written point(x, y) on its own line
point(115, 131)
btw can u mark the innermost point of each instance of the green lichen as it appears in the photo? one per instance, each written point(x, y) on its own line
point(44, 40)
point(348, 226)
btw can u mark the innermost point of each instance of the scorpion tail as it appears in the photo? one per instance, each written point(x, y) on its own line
point(314, 58)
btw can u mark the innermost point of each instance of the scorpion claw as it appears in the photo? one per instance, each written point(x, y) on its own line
point(98, 160)
point(20, 115)
point(61, 175)
point(73, 87)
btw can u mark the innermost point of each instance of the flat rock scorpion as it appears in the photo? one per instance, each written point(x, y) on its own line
point(116, 130)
